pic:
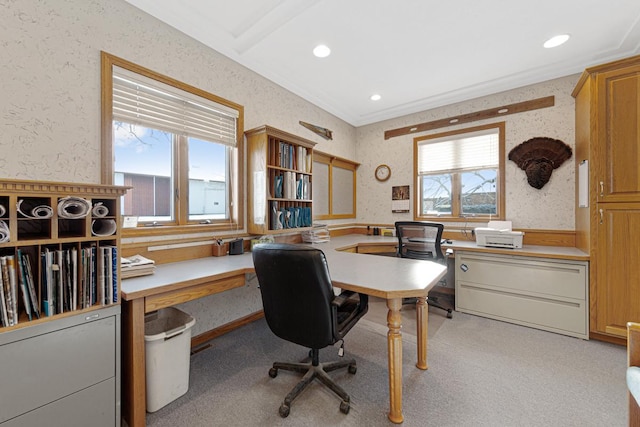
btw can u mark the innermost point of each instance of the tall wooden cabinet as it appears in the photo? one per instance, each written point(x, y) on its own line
point(608, 138)
point(279, 179)
point(60, 352)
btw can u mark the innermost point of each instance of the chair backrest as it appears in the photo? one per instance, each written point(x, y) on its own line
point(296, 292)
point(419, 240)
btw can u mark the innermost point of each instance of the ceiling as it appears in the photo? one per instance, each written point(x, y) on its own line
point(417, 54)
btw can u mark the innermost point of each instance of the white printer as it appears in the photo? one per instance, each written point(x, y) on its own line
point(498, 234)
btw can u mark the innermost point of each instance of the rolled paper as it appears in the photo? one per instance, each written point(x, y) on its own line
point(99, 210)
point(4, 232)
point(71, 207)
point(39, 212)
point(103, 227)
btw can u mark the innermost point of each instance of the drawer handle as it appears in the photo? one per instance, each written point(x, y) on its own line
point(92, 317)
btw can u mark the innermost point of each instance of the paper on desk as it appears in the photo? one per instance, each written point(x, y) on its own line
point(500, 225)
point(135, 260)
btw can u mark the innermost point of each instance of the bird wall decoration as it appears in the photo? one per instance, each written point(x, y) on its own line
point(538, 157)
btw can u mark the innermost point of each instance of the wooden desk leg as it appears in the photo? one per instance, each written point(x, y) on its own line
point(422, 323)
point(134, 393)
point(394, 344)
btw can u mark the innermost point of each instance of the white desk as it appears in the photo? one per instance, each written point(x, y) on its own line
point(385, 277)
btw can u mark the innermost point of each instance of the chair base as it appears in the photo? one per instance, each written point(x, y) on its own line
point(311, 372)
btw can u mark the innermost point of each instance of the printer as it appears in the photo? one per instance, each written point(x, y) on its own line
point(498, 234)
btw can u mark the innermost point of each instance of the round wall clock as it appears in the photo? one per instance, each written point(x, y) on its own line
point(383, 173)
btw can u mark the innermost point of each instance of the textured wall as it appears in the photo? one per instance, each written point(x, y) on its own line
point(50, 114)
point(50, 103)
point(552, 207)
point(50, 74)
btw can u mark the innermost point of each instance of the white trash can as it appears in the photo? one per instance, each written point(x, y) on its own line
point(167, 336)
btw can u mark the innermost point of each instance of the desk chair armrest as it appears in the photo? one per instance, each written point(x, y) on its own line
point(341, 299)
point(347, 310)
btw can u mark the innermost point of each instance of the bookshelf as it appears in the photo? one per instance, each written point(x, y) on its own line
point(60, 303)
point(279, 181)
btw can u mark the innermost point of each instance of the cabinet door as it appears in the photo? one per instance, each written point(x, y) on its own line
point(618, 135)
point(617, 290)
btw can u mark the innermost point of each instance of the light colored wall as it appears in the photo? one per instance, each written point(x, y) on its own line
point(551, 207)
point(50, 102)
point(50, 114)
point(50, 74)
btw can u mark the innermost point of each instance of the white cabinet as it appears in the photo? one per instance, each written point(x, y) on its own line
point(548, 294)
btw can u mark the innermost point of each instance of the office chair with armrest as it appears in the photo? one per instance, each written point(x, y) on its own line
point(421, 240)
point(300, 306)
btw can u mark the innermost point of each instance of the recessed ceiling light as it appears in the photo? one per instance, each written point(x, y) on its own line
point(375, 97)
point(556, 41)
point(321, 51)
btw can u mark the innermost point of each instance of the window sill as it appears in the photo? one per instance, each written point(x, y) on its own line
point(169, 230)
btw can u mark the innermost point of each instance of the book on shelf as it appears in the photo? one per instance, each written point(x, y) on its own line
point(111, 273)
point(24, 289)
point(13, 280)
point(31, 286)
point(73, 258)
point(4, 313)
point(100, 287)
point(46, 260)
point(10, 295)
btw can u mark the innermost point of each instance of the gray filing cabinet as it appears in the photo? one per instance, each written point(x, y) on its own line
point(549, 294)
point(62, 373)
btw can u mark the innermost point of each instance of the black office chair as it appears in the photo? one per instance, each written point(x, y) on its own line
point(421, 240)
point(300, 306)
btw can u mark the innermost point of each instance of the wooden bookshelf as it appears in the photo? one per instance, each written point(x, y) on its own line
point(279, 181)
point(66, 221)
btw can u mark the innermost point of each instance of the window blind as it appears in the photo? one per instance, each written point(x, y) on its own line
point(147, 102)
point(477, 150)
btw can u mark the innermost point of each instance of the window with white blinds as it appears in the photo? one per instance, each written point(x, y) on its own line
point(143, 101)
point(460, 174)
point(475, 150)
point(177, 147)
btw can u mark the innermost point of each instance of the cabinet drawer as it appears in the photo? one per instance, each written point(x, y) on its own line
point(524, 274)
point(94, 406)
point(38, 368)
point(544, 294)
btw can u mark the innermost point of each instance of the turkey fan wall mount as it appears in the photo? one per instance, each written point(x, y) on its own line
point(538, 157)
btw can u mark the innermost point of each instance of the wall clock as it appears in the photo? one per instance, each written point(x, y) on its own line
point(383, 173)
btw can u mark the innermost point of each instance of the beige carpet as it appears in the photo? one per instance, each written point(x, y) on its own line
point(481, 372)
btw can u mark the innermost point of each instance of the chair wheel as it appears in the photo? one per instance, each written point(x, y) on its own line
point(449, 314)
point(353, 369)
point(284, 410)
point(344, 407)
point(273, 372)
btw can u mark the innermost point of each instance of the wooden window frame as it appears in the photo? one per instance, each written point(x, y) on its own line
point(455, 184)
point(182, 224)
